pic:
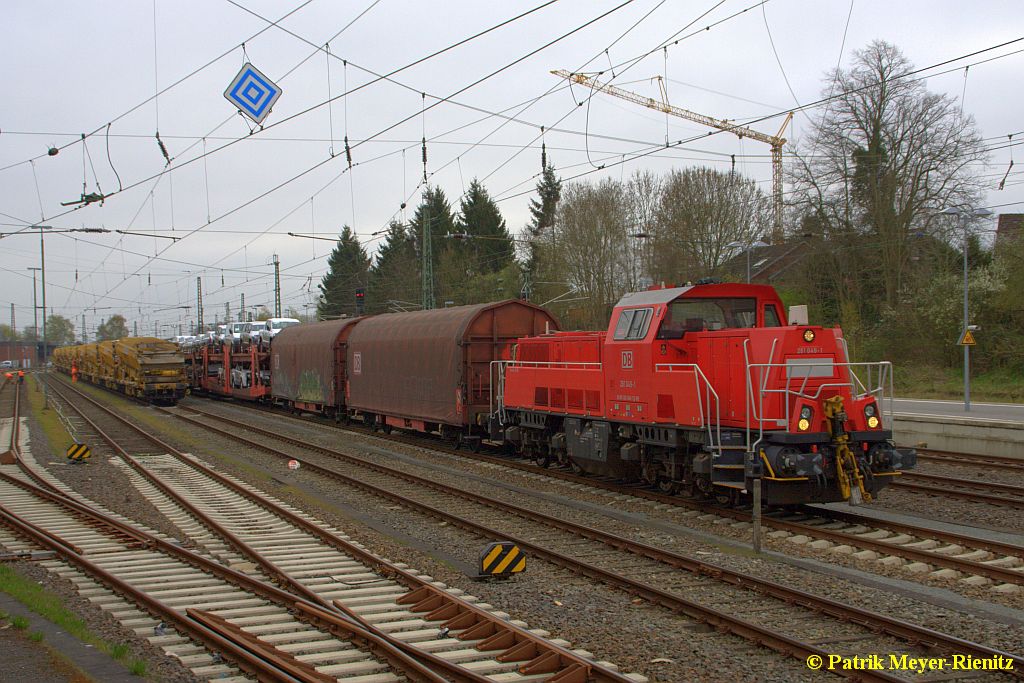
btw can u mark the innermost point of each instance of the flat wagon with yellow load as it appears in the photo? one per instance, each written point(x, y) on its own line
point(147, 368)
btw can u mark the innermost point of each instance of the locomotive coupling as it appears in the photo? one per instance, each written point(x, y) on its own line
point(849, 476)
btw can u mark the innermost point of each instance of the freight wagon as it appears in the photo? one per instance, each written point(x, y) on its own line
point(147, 368)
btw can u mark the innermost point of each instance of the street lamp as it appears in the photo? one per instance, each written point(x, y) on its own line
point(747, 247)
point(963, 216)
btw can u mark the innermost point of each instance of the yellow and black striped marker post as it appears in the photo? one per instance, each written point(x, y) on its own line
point(502, 559)
point(79, 452)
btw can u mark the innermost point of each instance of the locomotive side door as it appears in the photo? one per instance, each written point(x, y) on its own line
point(628, 363)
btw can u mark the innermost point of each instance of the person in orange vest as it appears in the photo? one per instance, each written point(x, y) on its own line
point(9, 375)
point(21, 376)
point(74, 372)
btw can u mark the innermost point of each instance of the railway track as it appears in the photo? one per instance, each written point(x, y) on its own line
point(993, 493)
point(652, 573)
point(987, 462)
point(178, 598)
point(921, 550)
point(407, 612)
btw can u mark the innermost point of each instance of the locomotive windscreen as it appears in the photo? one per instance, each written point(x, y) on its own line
point(695, 315)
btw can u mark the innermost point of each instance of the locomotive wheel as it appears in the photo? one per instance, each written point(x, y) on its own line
point(576, 469)
point(666, 485)
point(542, 459)
point(727, 499)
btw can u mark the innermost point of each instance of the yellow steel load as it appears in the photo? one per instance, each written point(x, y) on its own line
point(145, 367)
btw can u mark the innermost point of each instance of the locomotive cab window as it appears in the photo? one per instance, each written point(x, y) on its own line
point(771, 316)
point(633, 324)
point(699, 315)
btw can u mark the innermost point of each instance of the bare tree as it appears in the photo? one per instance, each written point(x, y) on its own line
point(587, 257)
point(884, 155)
point(701, 212)
point(643, 195)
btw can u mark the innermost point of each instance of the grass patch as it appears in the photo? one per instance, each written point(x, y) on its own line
point(20, 623)
point(36, 636)
point(49, 606)
point(137, 667)
point(119, 651)
point(56, 435)
point(999, 386)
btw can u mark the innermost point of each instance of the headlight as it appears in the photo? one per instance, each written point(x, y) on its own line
point(806, 412)
point(808, 336)
point(869, 409)
point(803, 425)
point(872, 422)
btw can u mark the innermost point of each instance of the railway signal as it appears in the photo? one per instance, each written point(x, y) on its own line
point(360, 300)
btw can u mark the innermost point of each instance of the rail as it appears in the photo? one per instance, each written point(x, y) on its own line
point(723, 620)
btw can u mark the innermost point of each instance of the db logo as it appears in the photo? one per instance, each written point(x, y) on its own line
point(627, 359)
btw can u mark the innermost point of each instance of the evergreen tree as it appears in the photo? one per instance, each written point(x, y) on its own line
point(395, 276)
point(542, 211)
point(489, 246)
point(347, 269)
point(435, 207)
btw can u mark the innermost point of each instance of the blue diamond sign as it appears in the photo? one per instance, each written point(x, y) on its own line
point(253, 93)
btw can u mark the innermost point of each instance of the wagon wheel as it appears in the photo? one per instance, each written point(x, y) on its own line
point(727, 498)
point(666, 485)
point(386, 428)
point(542, 459)
point(576, 469)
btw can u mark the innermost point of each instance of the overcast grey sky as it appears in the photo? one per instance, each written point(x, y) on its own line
point(72, 68)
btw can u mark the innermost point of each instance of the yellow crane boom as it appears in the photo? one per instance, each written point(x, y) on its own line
point(776, 141)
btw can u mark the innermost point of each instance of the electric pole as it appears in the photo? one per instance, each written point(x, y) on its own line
point(428, 257)
point(35, 308)
point(277, 287)
point(42, 280)
point(14, 328)
point(84, 335)
point(241, 308)
point(199, 305)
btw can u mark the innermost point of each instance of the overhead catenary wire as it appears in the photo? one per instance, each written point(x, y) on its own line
point(915, 72)
point(178, 82)
point(473, 84)
point(383, 77)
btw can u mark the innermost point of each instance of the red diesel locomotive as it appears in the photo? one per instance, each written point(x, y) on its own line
point(703, 388)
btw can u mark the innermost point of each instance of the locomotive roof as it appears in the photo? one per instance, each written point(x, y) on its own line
point(666, 295)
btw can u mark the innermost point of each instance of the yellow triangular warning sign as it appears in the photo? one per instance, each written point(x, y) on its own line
point(967, 339)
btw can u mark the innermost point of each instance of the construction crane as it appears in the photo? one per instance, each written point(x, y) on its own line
point(776, 141)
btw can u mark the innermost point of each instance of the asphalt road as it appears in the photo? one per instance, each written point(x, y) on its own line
point(1002, 412)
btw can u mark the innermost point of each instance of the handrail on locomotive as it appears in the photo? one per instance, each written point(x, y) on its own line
point(858, 389)
point(497, 378)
